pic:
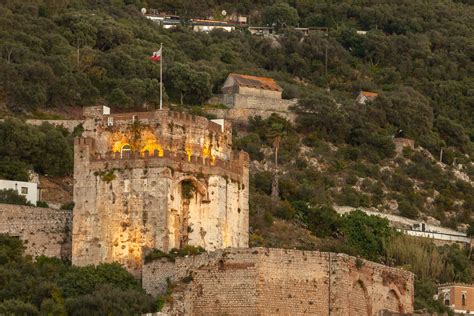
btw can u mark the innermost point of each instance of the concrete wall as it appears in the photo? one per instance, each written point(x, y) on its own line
point(261, 281)
point(44, 231)
point(126, 204)
point(438, 236)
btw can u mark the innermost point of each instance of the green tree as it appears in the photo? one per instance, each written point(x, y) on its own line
point(366, 233)
point(280, 14)
point(192, 85)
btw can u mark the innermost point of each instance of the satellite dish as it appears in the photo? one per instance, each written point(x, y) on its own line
point(143, 11)
point(224, 12)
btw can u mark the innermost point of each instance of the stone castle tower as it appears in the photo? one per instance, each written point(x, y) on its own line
point(156, 180)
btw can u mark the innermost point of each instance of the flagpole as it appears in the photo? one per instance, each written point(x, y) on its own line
point(161, 77)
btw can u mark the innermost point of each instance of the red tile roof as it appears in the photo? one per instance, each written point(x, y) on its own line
point(256, 82)
point(369, 94)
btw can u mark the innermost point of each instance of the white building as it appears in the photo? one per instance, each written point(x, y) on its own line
point(366, 96)
point(209, 25)
point(28, 189)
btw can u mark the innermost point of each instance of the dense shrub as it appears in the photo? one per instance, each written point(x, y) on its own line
point(51, 286)
point(11, 196)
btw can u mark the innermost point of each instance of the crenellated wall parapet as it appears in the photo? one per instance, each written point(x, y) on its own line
point(233, 168)
point(165, 115)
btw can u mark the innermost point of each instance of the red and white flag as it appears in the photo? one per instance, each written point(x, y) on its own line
point(156, 56)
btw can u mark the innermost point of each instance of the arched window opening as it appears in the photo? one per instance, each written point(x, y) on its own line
point(125, 149)
point(447, 299)
point(463, 299)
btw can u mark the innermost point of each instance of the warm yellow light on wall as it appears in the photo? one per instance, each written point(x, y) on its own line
point(188, 152)
point(207, 153)
point(149, 142)
point(117, 146)
point(146, 142)
point(151, 147)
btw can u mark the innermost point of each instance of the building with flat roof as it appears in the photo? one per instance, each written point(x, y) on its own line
point(210, 25)
point(27, 189)
point(459, 297)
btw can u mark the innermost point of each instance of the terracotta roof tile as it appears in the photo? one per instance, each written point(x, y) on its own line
point(256, 82)
point(369, 94)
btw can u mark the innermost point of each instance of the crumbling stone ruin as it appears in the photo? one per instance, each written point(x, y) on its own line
point(156, 180)
point(262, 281)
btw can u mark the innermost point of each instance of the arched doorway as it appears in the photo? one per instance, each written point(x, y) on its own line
point(392, 302)
point(125, 150)
point(187, 195)
point(358, 300)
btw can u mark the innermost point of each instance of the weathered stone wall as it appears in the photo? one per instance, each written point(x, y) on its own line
point(180, 184)
point(70, 125)
point(243, 106)
point(261, 93)
point(261, 281)
point(44, 231)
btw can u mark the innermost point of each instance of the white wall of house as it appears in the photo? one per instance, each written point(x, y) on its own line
point(28, 189)
point(208, 28)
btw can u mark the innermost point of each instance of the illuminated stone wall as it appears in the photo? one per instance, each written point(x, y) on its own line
point(156, 180)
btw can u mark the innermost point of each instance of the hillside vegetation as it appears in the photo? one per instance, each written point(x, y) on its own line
point(416, 54)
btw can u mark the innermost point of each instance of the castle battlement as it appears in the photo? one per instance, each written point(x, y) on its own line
point(156, 179)
point(165, 115)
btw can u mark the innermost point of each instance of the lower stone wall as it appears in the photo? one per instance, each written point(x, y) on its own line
point(262, 281)
point(70, 125)
point(44, 231)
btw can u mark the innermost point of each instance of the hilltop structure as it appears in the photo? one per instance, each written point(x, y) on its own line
point(366, 96)
point(164, 180)
point(156, 180)
point(246, 95)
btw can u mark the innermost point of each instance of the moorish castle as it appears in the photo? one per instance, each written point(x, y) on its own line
point(156, 180)
point(164, 180)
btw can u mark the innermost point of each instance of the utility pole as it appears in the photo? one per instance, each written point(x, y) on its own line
point(441, 155)
point(161, 77)
point(326, 60)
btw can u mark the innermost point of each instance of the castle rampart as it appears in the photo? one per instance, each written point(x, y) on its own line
point(156, 180)
point(44, 231)
point(262, 281)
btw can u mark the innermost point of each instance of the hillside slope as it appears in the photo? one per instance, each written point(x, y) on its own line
point(417, 55)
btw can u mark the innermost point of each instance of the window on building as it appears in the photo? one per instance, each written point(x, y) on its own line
point(447, 299)
point(24, 190)
point(125, 149)
point(463, 299)
point(110, 121)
